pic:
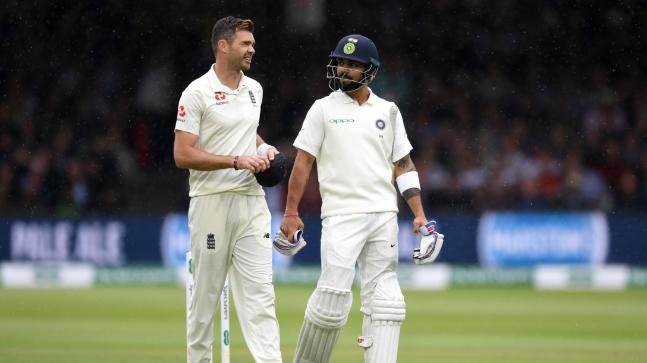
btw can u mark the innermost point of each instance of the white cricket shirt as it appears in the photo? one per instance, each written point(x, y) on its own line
point(226, 123)
point(355, 147)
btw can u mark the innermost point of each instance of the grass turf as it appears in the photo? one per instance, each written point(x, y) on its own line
point(481, 325)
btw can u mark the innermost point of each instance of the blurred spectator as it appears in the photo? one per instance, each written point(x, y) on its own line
point(627, 196)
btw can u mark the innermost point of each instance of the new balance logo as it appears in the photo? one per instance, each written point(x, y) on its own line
point(211, 242)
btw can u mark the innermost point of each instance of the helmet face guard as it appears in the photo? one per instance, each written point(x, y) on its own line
point(335, 82)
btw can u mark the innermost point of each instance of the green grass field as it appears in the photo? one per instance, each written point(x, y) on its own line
point(481, 325)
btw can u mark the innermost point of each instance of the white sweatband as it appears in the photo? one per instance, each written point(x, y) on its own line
point(407, 181)
point(262, 149)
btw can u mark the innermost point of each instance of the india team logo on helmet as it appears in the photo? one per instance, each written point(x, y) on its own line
point(349, 48)
point(357, 48)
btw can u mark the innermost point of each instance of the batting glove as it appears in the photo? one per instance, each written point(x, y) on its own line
point(286, 247)
point(430, 244)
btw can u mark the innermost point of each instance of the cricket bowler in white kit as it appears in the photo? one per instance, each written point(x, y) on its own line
point(229, 222)
point(360, 144)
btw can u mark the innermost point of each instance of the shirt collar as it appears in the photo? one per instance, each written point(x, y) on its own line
point(348, 99)
point(371, 97)
point(217, 86)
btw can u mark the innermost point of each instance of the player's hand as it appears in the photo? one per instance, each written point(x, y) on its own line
point(255, 163)
point(290, 225)
point(271, 152)
point(267, 150)
point(287, 248)
point(417, 223)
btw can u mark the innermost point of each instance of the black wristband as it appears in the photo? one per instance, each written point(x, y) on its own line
point(236, 162)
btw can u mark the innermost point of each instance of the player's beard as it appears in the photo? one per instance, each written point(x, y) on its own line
point(246, 63)
point(349, 84)
point(346, 81)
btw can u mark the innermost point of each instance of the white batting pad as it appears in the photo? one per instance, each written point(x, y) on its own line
point(326, 314)
point(382, 328)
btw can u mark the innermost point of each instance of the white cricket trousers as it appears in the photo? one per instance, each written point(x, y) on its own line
point(368, 239)
point(230, 234)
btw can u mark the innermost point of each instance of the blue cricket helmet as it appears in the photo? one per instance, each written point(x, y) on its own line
point(357, 48)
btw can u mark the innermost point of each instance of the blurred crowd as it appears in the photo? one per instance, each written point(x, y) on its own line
point(509, 105)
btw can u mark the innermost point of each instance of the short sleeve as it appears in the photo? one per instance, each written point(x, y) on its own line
point(260, 95)
point(311, 135)
point(189, 112)
point(401, 145)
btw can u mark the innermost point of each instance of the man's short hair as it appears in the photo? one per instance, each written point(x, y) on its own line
point(226, 27)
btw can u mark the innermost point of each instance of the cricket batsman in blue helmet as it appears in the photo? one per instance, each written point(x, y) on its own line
point(360, 144)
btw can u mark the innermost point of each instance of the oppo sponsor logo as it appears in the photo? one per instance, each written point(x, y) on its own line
point(341, 120)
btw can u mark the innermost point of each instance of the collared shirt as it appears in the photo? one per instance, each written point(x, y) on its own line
point(226, 123)
point(355, 147)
